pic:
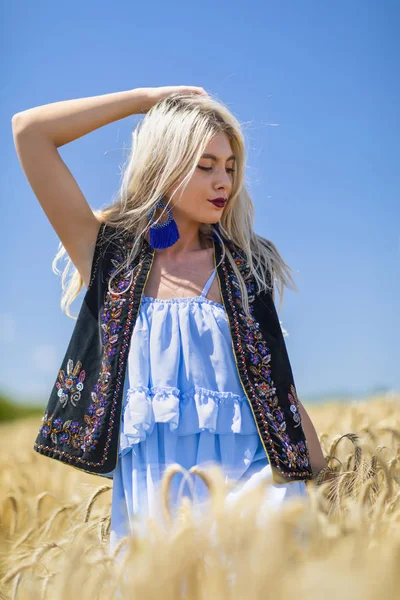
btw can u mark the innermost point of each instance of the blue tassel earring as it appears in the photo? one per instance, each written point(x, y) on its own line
point(163, 235)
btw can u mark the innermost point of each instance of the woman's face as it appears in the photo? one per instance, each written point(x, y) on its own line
point(212, 178)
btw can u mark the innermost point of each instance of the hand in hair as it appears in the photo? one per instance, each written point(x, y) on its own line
point(154, 95)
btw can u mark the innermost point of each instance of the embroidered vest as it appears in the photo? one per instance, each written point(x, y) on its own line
point(82, 419)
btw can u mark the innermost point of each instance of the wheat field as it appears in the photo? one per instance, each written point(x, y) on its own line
point(343, 543)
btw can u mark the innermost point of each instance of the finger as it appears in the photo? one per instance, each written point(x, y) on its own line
point(199, 90)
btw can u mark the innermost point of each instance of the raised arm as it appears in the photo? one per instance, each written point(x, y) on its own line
point(38, 132)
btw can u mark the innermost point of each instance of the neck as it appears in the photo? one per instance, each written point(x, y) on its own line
point(185, 246)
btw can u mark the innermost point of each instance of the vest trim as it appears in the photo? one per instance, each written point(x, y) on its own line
point(85, 432)
point(256, 378)
point(85, 437)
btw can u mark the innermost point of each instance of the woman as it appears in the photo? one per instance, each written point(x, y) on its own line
point(177, 356)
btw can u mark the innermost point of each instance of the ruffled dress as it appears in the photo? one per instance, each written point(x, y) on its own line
point(183, 403)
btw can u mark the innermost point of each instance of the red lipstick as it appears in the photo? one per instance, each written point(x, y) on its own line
point(219, 202)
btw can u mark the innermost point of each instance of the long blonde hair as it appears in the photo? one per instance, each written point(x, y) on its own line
point(166, 146)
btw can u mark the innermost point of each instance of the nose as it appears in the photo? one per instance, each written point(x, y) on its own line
point(224, 184)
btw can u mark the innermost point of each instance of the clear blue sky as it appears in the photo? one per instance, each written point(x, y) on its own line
point(315, 84)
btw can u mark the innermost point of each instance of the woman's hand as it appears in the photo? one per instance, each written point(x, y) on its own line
point(67, 120)
point(325, 474)
point(153, 95)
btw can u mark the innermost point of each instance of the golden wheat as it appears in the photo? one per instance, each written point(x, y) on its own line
point(343, 542)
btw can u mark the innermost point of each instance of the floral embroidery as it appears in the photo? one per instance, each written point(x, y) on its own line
point(252, 349)
point(252, 355)
point(64, 432)
point(294, 406)
point(85, 436)
point(70, 386)
point(110, 332)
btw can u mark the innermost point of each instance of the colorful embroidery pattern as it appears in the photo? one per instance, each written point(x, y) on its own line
point(249, 342)
point(64, 432)
point(85, 436)
point(252, 355)
point(111, 327)
point(294, 406)
point(70, 386)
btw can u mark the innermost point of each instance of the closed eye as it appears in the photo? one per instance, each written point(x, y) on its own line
point(210, 168)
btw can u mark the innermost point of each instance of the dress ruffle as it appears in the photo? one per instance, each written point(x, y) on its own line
point(198, 409)
point(182, 401)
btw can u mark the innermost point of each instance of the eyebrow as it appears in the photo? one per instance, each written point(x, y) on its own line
point(213, 157)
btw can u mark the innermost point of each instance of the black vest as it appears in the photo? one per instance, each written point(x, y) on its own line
point(82, 419)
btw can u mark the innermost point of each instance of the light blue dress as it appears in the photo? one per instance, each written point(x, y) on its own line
point(183, 403)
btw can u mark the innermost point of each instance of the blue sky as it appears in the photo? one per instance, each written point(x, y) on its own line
point(315, 87)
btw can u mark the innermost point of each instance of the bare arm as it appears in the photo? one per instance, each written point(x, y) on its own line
point(66, 121)
point(38, 132)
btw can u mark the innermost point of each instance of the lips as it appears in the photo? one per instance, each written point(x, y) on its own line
point(219, 202)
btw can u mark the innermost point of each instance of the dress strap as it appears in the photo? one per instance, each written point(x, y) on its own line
point(208, 284)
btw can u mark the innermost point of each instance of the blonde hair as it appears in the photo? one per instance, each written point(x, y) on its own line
point(166, 147)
